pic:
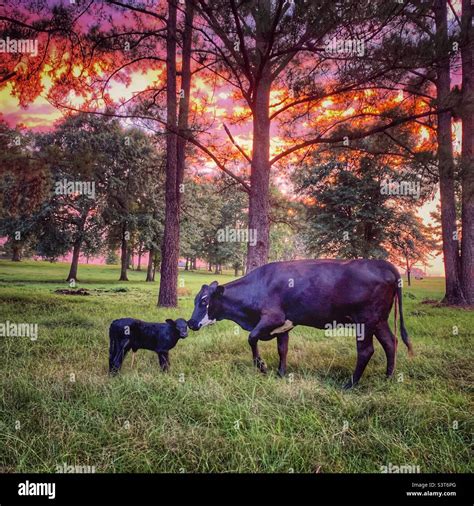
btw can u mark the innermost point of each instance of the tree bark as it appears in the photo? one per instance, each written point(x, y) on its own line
point(149, 270)
point(186, 265)
point(75, 261)
point(139, 261)
point(259, 205)
point(168, 294)
point(453, 293)
point(407, 266)
point(123, 256)
point(185, 95)
point(467, 152)
point(16, 251)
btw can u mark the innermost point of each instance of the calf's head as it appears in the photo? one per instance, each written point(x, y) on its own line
point(180, 326)
point(206, 306)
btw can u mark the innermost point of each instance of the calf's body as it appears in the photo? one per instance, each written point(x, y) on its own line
point(127, 334)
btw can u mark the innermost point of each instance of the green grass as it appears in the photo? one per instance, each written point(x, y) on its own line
point(213, 412)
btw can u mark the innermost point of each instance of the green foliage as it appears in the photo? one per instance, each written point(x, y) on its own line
point(348, 216)
point(209, 208)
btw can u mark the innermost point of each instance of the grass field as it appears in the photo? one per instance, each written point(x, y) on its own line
point(213, 412)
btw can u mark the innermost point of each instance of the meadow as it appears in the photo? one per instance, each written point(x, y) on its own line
point(213, 412)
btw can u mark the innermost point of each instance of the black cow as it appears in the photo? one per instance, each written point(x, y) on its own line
point(272, 299)
point(130, 334)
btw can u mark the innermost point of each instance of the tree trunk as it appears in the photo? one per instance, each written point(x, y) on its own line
point(236, 271)
point(209, 267)
point(168, 295)
point(16, 251)
point(408, 271)
point(123, 256)
point(139, 262)
point(453, 293)
point(156, 266)
point(259, 205)
point(149, 270)
point(184, 96)
point(186, 265)
point(75, 261)
point(194, 267)
point(467, 152)
point(259, 200)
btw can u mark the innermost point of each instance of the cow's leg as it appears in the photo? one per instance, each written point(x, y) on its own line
point(365, 349)
point(269, 321)
point(257, 359)
point(282, 343)
point(389, 344)
point(164, 359)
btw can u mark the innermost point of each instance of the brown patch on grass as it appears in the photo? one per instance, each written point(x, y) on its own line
point(184, 291)
point(65, 291)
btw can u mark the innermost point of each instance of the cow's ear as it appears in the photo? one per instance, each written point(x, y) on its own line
point(170, 322)
point(212, 287)
point(219, 290)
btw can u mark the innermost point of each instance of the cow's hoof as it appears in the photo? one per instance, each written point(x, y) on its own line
point(281, 374)
point(260, 365)
point(349, 385)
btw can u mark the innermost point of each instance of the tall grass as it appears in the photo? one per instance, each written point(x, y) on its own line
point(213, 412)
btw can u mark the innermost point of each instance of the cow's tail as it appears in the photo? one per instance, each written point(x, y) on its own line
point(403, 330)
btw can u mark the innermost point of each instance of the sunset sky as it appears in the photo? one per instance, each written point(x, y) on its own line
point(218, 105)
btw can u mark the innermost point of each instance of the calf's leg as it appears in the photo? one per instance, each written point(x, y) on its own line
point(164, 359)
point(365, 350)
point(117, 354)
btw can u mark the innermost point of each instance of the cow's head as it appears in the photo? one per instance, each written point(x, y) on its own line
point(206, 306)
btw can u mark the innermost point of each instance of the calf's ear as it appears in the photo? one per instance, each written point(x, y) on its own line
point(170, 322)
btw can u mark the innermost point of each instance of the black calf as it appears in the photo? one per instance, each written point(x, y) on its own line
point(129, 333)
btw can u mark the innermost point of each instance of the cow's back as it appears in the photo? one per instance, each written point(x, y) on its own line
point(323, 287)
